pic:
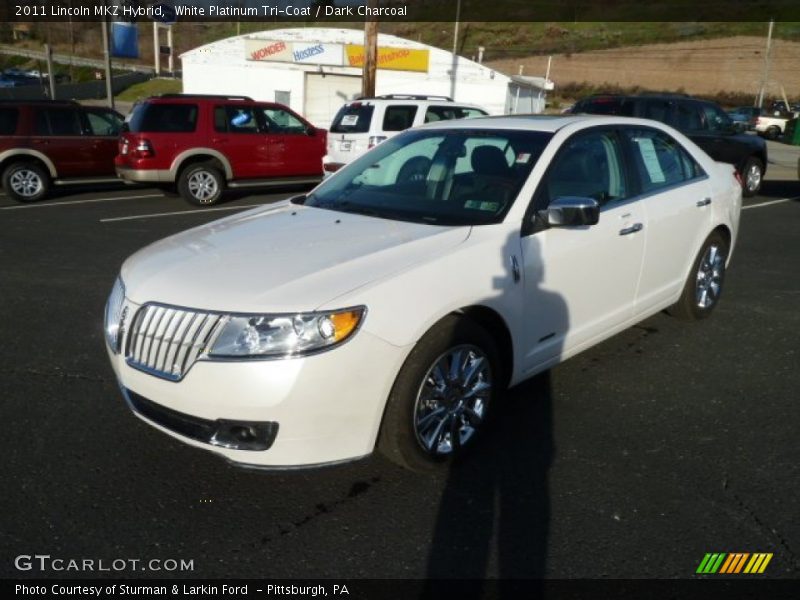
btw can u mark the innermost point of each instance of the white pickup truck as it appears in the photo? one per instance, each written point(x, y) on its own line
point(773, 126)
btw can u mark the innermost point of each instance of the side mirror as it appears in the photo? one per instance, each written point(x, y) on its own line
point(311, 131)
point(570, 211)
point(124, 128)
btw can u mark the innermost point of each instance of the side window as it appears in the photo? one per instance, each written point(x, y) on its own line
point(687, 117)
point(587, 166)
point(235, 119)
point(715, 119)
point(8, 121)
point(445, 113)
point(277, 120)
point(398, 118)
point(58, 121)
point(660, 161)
point(103, 123)
point(658, 110)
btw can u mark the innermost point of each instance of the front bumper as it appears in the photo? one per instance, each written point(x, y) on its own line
point(317, 409)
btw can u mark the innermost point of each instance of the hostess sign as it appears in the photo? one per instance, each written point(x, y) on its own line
point(337, 55)
point(295, 52)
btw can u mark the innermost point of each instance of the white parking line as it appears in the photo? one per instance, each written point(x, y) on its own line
point(179, 212)
point(770, 203)
point(87, 201)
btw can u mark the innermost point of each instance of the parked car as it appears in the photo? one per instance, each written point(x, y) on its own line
point(45, 143)
point(364, 123)
point(705, 123)
point(199, 145)
point(745, 116)
point(771, 126)
point(393, 311)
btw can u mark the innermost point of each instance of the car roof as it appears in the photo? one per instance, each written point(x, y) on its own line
point(543, 123)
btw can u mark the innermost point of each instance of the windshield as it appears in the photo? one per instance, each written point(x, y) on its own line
point(438, 176)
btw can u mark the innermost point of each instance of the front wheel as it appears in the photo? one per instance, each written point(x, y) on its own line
point(201, 184)
point(752, 176)
point(703, 287)
point(442, 396)
point(26, 182)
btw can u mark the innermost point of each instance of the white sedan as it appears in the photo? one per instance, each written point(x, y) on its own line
point(392, 305)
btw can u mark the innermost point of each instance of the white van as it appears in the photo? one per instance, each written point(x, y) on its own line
point(361, 124)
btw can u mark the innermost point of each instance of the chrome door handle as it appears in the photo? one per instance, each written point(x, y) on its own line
point(704, 202)
point(632, 229)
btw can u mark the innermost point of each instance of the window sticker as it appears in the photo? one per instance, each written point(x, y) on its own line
point(650, 159)
point(349, 120)
point(479, 205)
point(523, 158)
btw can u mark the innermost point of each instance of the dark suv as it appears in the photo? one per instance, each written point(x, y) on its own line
point(45, 143)
point(703, 122)
point(197, 145)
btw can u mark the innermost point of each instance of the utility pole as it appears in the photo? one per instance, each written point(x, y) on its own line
point(107, 56)
point(156, 50)
point(370, 53)
point(51, 77)
point(454, 58)
point(765, 77)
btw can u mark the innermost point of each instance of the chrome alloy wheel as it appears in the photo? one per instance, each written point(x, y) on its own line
point(752, 178)
point(452, 400)
point(203, 186)
point(709, 277)
point(26, 183)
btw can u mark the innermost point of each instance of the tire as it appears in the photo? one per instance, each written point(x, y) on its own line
point(752, 177)
point(707, 275)
point(773, 132)
point(201, 184)
point(419, 425)
point(26, 182)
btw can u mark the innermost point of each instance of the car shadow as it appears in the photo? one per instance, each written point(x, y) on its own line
point(494, 514)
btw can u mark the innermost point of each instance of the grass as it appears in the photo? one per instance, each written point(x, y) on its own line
point(150, 88)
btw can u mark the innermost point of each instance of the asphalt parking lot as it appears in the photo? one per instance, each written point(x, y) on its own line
point(631, 460)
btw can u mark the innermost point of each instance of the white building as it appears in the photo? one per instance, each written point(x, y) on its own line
point(315, 70)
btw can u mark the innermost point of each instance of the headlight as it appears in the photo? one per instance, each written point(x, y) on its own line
point(285, 335)
point(114, 315)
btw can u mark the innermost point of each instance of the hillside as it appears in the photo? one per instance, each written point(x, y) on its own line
point(702, 58)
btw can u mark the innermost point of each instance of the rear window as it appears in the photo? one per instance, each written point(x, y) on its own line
point(8, 121)
point(163, 118)
point(353, 118)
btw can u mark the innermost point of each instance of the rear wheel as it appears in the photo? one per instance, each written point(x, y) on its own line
point(703, 287)
point(752, 176)
point(773, 131)
point(201, 184)
point(442, 396)
point(26, 182)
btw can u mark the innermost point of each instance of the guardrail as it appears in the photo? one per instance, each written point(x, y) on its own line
point(78, 61)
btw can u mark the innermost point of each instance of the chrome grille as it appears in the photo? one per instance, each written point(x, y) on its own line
point(166, 341)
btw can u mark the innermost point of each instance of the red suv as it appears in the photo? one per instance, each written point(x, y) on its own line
point(51, 142)
point(198, 145)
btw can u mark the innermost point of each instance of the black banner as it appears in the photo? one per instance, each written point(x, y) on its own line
point(321, 11)
point(733, 588)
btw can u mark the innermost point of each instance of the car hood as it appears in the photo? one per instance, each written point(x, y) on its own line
point(282, 258)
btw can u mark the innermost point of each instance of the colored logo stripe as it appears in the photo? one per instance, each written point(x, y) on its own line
point(734, 563)
point(758, 563)
point(711, 563)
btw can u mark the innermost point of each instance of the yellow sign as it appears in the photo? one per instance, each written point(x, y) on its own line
point(394, 59)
